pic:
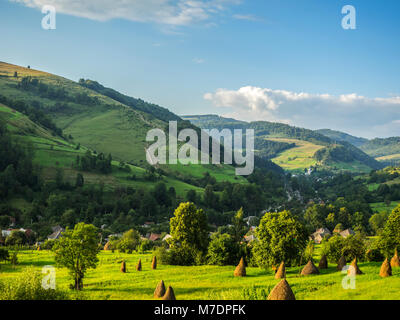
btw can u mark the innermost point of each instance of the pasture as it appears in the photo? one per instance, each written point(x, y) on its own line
point(207, 282)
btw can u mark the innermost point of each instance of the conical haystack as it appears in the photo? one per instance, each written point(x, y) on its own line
point(386, 269)
point(282, 291)
point(169, 295)
point(123, 266)
point(354, 269)
point(395, 262)
point(309, 268)
point(281, 273)
point(154, 263)
point(323, 263)
point(160, 290)
point(240, 270)
point(341, 263)
point(107, 246)
point(139, 265)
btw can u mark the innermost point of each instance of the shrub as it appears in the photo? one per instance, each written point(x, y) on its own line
point(163, 256)
point(144, 246)
point(351, 247)
point(47, 245)
point(333, 248)
point(280, 238)
point(223, 250)
point(28, 286)
point(4, 255)
point(374, 255)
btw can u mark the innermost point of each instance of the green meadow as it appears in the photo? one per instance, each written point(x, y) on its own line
point(298, 158)
point(106, 282)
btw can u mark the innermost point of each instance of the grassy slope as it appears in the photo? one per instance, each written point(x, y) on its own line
point(208, 282)
point(382, 207)
point(117, 129)
point(297, 158)
point(52, 152)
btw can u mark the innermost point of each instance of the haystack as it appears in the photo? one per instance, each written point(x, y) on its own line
point(154, 263)
point(323, 263)
point(169, 295)
point(309, 268)
point(123, 266)
point(160, 290)
point(341, 263)
point(395, 262)
point(281, 273)
point(107, 246)
point(386, 269)
point(139, 265)
point(240, 270)
point(282, 291)
point(354, 269)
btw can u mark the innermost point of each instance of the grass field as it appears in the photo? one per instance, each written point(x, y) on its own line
point(381, 206)
point(298, 158)
point(208, 282)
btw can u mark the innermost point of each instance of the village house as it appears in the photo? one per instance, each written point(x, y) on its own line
point(346, 233)
point(320, 234)
point(154, 237)
point(168, 236)
point(57, 233)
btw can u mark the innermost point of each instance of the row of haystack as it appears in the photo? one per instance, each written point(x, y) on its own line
point(139, 265)
point(283, 291)
point(161, 293)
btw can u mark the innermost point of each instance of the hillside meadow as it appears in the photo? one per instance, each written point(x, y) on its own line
point(206, 282)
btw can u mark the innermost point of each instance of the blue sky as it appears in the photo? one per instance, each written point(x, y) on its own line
point(276, 60)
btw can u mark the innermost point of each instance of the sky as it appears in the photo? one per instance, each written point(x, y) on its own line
point(287, 61)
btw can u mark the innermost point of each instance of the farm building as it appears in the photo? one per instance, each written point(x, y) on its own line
point(320, 234)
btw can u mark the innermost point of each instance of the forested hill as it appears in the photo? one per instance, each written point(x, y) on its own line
point(342, 136)
point(292, 147)
point(159, 112)
point(380, 147)
point(385, 150)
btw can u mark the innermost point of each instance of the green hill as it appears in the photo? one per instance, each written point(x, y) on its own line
point(385, 150)
point(382, 147)
point(294, 148)
point(341, 136)
point(98, 118)
point(52, 152)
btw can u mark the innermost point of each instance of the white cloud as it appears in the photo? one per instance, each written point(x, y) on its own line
point(198, 60)
point(359, 115)
point(167, 12)
point(247, 17)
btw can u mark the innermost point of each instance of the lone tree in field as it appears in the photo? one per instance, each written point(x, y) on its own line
point(386, 269)
point(240, 270)
point(77, 250)
point(282, 291)
point(189, 231)
point(169, 295)
point(281, 238)
point(160, 290)
point(281, 273)
point(154, 263)
point(395, 262)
